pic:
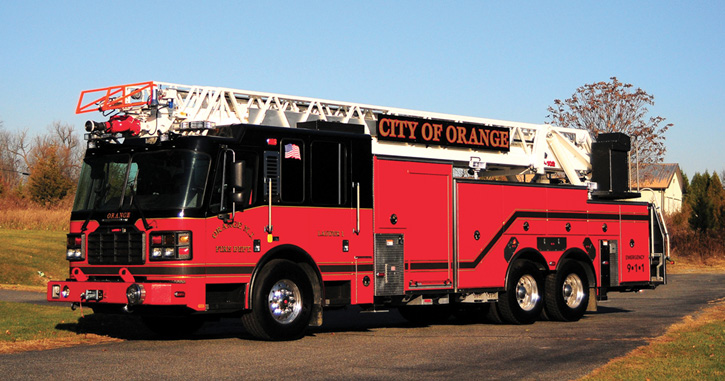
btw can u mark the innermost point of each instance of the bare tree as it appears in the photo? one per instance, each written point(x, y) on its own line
point(614, 107)
point(13, 150)
point(60, 141)
point(20, 147)
point(70, 148)
point(7, 162)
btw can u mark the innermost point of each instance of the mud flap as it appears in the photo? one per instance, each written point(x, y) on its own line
point(592, 306)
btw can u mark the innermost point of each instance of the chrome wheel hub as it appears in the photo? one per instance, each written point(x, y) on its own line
point(527, 293)
point(285, 301)
point(573, 291)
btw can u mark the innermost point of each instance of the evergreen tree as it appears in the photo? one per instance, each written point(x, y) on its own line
point(47, 184)
point(685, 184)
point(706, 198)
point(716, 196)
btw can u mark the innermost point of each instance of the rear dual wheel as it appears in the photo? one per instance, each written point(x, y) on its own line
point(567, 293)
point(563, 296)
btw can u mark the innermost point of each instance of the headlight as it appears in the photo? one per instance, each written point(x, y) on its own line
point(75, 248)
point(169, 252)
point(166, 246)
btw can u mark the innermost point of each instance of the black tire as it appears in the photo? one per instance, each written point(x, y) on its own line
point(172, 327)
point(567, 292)
point(522, 302)
point(493, 316)
point(281, 302)
point(436, 314)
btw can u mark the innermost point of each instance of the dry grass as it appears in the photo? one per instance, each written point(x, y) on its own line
point(21, 214)
point(35, 218)
point(691, 349)
point(44, 344)
point(687, 265)
point(22, 287)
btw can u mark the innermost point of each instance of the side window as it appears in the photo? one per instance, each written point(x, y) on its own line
point(249, 194)
point(271, 175)
point(292, 182)
point(328, 176)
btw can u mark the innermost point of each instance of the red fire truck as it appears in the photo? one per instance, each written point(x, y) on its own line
point(199, 202)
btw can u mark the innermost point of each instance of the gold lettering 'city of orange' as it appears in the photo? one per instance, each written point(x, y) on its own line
point(443, 133)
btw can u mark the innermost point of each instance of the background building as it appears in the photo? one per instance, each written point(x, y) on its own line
point(660, 184)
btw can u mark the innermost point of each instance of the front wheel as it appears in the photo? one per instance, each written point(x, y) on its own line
point(567, 293)
point(281, 302)
point(522, 302)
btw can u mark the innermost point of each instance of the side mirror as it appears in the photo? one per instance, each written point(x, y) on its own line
point(237, 180)
point(97, 172)
point(238, 174)
point(237, 197)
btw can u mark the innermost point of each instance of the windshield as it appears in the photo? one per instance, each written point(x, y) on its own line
point(151, 180)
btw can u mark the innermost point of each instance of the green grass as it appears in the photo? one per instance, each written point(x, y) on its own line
point(21, 322)
point(26, 327)
point(32, 257)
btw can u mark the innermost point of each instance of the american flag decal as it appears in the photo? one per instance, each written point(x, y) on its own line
point(292, 151)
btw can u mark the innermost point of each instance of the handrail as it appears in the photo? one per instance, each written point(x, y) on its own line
point(114, 97)
point(357, 209)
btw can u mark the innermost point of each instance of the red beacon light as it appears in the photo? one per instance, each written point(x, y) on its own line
point(271, 142)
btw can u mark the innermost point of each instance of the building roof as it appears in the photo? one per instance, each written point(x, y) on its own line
point(655, 176)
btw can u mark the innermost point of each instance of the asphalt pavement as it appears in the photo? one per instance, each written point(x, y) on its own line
point(24, 297)
point(352, 345)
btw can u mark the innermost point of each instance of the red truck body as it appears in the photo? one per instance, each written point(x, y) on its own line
point(334, 224)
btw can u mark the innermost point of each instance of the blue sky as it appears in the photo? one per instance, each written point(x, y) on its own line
point(500, 60)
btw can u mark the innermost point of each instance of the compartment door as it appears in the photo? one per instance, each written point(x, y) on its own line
point(414, 199)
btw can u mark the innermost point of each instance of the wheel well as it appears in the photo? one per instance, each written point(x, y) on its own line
point(307, 264)
point(527, 254)
point(583, 259)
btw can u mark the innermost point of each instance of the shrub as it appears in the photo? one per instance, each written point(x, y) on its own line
point(691, 243)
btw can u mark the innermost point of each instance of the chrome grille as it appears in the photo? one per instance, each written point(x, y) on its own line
point(116, 248)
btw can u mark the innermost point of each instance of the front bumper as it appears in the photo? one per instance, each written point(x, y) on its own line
point(115, 293)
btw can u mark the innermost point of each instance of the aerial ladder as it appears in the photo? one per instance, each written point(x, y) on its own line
point(156, 110)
